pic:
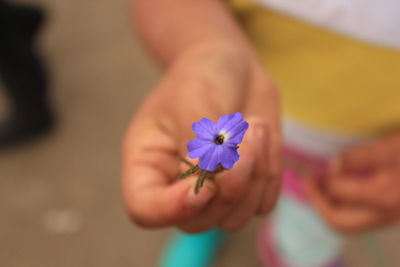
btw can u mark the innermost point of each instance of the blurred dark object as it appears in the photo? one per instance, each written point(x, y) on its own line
point(23, 75)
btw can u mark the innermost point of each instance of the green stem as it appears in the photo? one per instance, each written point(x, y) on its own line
point(189, 172)
point(200, 181)
point(186, 161)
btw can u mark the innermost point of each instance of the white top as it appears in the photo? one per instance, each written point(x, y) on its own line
point(374, 21)
point(315, 141)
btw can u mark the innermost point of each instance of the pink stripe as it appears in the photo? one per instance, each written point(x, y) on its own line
point(316, 167)
point(293, 186)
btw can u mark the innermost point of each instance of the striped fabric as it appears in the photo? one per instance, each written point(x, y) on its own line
point(330, 81)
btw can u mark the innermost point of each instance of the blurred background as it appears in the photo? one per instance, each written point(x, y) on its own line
point(60, 197)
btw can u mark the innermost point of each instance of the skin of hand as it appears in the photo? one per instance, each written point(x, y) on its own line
point(362, 190)
point(210, 80)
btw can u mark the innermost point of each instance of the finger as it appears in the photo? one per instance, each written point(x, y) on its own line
point(272, 185)
point(224, 201)
point(344, 218)
point(269, 196)
point(357, 159)
point(251, 202)
point(163, 205)
point(246, 209)
point(379, 190)
point(365, 157)
point(251, 166)
point(264, 103)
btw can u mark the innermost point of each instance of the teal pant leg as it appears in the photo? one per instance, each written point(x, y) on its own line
point(194, 250)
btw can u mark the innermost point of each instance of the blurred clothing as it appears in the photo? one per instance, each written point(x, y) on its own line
point(371, 21)
point(337, 65)
point(296, 236)
point(335, 62)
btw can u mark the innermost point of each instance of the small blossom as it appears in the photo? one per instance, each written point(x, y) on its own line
point(217, 143)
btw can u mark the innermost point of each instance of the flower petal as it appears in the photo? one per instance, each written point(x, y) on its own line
point(235, 134)
point(211, 159)
point(204, 129)
point(227, 121)
point(229, 157)
point(198, 147)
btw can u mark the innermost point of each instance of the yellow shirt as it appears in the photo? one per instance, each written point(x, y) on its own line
point(328, 80)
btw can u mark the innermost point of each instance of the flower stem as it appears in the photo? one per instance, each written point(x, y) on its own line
point(200, 181)
point(189, 172)
point(186, 161)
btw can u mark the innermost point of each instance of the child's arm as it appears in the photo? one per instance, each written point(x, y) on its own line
point(211, 72)
point(363, 189)
point(170, 27)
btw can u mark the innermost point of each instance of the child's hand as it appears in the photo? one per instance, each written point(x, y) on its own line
point(363, 189)
point(209, 81)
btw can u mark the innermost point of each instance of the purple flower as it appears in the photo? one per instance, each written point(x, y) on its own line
point(216, 143)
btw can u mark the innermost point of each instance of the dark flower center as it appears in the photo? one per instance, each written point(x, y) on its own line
point(219, 139)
